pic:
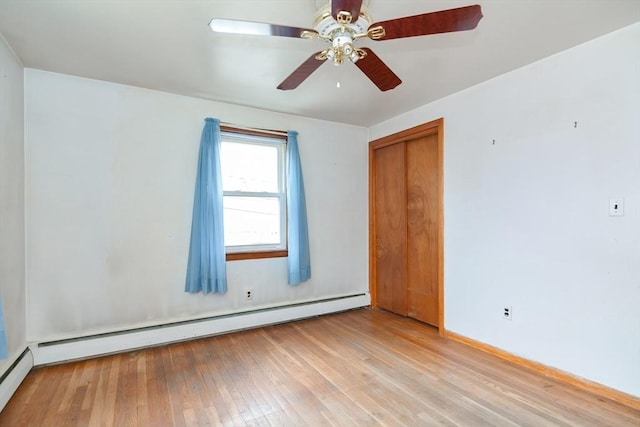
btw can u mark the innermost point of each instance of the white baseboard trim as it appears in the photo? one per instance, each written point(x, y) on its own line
point(92, 346)
point(11, 380)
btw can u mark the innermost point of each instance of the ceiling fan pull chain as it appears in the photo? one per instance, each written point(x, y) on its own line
point(338, 77)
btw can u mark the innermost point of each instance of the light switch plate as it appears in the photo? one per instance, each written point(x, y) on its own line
point(616, 206)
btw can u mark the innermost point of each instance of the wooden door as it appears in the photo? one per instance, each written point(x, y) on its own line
point(391, 228)
point(422, 229)
point(406, 223)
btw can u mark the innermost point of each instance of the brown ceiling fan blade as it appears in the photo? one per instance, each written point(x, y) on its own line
point(377, 71)
point(232, 26)
point(301, 73)
point(350, 6)
point(444, 21)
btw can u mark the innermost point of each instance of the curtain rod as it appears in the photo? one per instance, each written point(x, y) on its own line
point(231, 126)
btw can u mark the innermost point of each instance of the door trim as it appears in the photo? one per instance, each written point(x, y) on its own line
point(426, 129)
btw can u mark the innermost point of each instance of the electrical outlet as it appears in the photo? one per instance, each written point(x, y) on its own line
point(248, 295)
point(507, 312)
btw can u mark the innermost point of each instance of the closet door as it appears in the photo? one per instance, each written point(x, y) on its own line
point(391, 228)
point(422, 228)
point(406, 223)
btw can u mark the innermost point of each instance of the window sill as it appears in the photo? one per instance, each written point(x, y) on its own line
point(237, 256)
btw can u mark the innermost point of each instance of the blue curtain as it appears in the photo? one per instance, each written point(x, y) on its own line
point(3, 336)
point(299, 259)
point(206, 269)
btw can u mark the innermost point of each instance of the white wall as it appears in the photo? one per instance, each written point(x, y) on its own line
point(110, 183)
point(526, 219)
point(12, 256)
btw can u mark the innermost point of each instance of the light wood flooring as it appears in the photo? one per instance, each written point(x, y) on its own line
point(363, 367)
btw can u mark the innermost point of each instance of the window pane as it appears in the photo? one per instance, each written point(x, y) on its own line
point(249, 167)
point(251, 221)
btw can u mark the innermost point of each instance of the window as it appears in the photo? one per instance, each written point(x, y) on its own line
point(253, 184)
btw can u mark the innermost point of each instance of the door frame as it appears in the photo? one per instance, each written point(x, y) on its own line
point(426, 129)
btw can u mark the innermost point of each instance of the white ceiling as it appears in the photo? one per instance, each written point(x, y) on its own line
point(166, 45)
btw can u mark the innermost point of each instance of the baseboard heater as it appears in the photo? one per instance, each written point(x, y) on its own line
point(11, 379)
point(115, 342)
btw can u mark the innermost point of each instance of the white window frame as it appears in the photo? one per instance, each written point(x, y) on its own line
point(280, 144)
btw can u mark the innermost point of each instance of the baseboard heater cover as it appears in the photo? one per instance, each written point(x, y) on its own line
point(116, 342)
point(11, 379)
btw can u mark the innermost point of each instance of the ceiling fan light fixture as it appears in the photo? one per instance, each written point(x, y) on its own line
point(330, 54)
point(342, 47)
point(338, 57)
point(356, 55)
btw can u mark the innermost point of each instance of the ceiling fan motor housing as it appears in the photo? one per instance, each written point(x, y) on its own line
point(326, 25)
point(341, 35)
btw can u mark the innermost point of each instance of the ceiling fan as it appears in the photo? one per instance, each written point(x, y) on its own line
point(341, 23)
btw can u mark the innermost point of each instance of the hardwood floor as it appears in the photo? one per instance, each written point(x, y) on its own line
point(363, 367)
